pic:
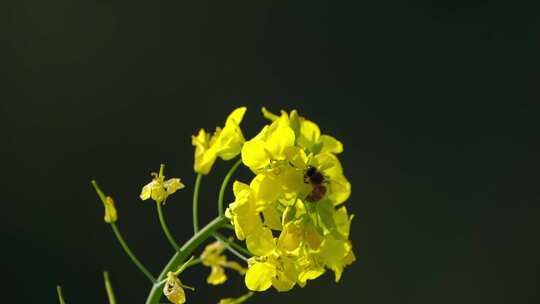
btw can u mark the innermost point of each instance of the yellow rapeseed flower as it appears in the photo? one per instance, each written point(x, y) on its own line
point(269, 145)
point(225, 143)
point(159, 188)
point(243, 211)
point(308, 133)
point(174, 289)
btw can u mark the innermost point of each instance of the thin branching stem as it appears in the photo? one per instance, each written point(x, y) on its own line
point(234, 245)
point(165, 228)
point(196, 203)
point(131, 255)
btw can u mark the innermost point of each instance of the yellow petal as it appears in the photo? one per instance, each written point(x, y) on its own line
point(339, 190)
point(236, 116)
point(330, 144)
point(172, 185)
point(290, 237)
point(312, 236)
point(254, 154)
point(278, 141)
point(261, 242)
point(309, 274)
point(205, 155)
point(239, 187)
point(205, 161)
point(309, 134)
point(272, 218)
point(286, 275)
point(333, 253)
point(230, 140)
point(146, 191)
point(265, 189)
point(259, 276)
point(343, 222)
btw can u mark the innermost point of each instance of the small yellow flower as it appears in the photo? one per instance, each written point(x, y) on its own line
point(243, 211)
point(213, 257)
point(308, 133)
point(269, 145)
point(159, 188)
point(225, 143)
point(336, 254)
point(174, 290)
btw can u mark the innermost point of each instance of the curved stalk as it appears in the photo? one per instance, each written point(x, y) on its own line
point(179, 257)
point(165, 228)
point(131, 255)
point(224, 185)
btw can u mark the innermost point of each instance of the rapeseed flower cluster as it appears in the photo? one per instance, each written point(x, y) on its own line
point(290, 214)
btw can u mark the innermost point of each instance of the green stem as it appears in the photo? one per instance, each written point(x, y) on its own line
point(232, 244)
point(60, 296)
point(108, 288)
point(131, 255)
point(189, 263)
point(179, 257)
point(196, 203)
point(165, 228)
point(224, 185)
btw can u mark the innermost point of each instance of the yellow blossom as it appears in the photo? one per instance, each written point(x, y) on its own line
point(225, 143)
point(243, 211)
point(336, 254)
point(269, 145)
point(174, 290)
point(159, 188)
point(259, 276)
point(308, 133)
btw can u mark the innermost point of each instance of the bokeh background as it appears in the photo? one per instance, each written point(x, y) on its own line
point(435, 101)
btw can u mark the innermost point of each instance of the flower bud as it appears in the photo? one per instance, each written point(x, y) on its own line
point(111, 215)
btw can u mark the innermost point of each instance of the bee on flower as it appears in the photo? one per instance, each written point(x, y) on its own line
point(299, 182)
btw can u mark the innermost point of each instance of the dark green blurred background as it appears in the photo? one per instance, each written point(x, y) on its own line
point(436, 104)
